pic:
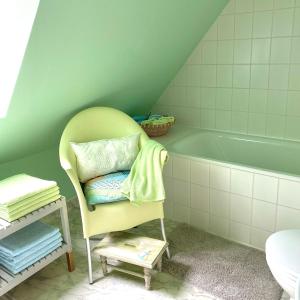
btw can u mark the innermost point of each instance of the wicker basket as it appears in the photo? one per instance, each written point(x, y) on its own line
point(157, 130)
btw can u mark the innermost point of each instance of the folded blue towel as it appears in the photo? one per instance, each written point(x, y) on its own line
point(35, 258)
point(31, 256)
point(26, 238)
point(39, 247)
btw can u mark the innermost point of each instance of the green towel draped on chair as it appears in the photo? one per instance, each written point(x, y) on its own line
point(145, 181)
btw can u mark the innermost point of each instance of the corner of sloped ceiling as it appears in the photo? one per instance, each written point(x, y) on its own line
point(98, 52)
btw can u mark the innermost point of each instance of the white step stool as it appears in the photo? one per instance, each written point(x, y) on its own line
point(133, 249)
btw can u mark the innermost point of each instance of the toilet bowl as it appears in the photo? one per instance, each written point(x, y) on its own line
point(283, 258)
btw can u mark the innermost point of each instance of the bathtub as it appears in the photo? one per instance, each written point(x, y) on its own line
point(250, 151)
point(239, 187)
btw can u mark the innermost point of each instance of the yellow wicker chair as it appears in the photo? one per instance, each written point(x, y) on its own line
point(95, 124)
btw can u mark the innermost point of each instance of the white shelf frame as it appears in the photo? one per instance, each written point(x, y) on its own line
point(9, 281)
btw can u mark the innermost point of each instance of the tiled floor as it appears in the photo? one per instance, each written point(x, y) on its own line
point(54, 282)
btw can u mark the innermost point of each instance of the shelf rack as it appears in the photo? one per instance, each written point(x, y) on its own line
point(9, 281)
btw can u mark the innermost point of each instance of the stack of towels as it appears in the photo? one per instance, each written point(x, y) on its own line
point(158, 120)
point(22, 194)
point(26, 246)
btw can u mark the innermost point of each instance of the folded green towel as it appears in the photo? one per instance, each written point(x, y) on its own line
point(158, 120)
point(22, 211)
point(145, 182)
point(32, 199)
point(22, 186)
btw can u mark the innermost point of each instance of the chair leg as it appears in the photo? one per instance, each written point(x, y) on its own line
point(162, 225)
point(88, 249)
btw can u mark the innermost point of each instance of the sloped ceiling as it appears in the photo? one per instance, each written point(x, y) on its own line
point(119, 53)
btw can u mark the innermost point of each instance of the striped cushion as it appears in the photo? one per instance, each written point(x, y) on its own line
point(105, 189)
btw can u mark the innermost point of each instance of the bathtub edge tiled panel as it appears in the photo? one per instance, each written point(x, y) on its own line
point(238, 203)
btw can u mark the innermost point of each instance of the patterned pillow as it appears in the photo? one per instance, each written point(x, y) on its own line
point(105, 189)
point(105, 156)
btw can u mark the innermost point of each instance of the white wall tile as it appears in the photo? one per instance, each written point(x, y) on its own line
point(219, 226)
point(229, 8)
point(169, 201)
point(169, 187)
point(167, 171)
point(263, 5)
point(181, 213)
point(287, 218)
point(265, 188)
point(240, 209)
point(282, 22)
point(220, 177)
point(264, 215)
point(243, 26)
point(289, 193)
point(200, 173)
point(181, 168)
point(242, 6)
point(241, 182)
point(219, 203)
point(199, 219)
point(225, 27)
point(199, 197)
point(259, 237)
point(181, 192)
point(239, 232)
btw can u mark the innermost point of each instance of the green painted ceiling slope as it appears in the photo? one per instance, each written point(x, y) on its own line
point(119, 53)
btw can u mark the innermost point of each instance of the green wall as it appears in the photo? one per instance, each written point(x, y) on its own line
point(44, 165)
point(119, 53)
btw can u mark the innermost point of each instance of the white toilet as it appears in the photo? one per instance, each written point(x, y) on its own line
point(283, 258)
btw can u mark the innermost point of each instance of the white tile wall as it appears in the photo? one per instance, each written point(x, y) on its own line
point(181, 168)
point(242, 204)
point(182, 191)
point(239, 76)
point(289, 193)
point(240, 232)
point(220, 177)
point(265, 188)
point(200, 197)
point(219, 203)
point(219, 226)
point(200, 173)
point(241, 182)
point(199, 219)
point(287, 218)
point(259, 237)
point(241, 209)
point(264, 215)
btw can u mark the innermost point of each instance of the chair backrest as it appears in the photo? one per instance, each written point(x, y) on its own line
point(89, 125)
point(94, 124)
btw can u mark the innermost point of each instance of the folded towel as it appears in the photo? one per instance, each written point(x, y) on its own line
point(39, 247)
point(17, 269)
point(22, 211)
point(32, 199)
point(145, 182)
point(19, 187)
point(13, 264)
point(26, 238)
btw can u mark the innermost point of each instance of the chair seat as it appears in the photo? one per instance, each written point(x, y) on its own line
point(105, 189)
